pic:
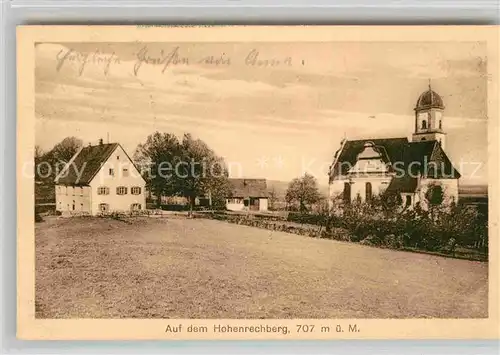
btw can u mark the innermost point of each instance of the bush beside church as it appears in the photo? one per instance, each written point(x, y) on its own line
point(443, 228)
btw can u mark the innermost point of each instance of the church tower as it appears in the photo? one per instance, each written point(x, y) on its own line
point(429, 118)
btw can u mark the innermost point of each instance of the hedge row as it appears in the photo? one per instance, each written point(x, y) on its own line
point(275, 223)
point(441, 231)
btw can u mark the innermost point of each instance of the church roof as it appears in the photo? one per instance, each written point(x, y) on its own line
point(405, 159)
point(88, 161)
point(429, 99)
point(402, 184)
point(392, 149)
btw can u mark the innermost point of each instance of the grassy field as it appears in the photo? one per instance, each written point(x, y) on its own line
point(178, 268)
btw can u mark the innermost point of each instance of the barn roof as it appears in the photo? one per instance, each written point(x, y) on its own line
point(248, 187)
point(89, 160)
point(399, 153)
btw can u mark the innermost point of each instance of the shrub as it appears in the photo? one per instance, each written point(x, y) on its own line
point(306, 218)
point(393, 241)
point(174, 207)
point(38, 218)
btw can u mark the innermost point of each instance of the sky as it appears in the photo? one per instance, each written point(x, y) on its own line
point(268, 121)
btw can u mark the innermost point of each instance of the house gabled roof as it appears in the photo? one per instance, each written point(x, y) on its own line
point(248, 188)
point(406, 159)
point(88, 161)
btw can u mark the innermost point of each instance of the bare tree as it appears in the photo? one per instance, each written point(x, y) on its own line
point(273, 196)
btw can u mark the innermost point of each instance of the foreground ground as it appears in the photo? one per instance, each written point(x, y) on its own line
point(180, 268)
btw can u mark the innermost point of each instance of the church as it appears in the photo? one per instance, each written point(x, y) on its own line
point(368, 167)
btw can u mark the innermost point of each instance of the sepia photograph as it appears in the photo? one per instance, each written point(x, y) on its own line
point(239, 179)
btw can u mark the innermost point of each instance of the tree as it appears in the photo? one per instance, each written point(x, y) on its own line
point(187, 168)
point(199, 171)
point(48, 164)
point(304, 191)
point(156, 158)
point(64, 150)
point(38, 152)
point(273, 197)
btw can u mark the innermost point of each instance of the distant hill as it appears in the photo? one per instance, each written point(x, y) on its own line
point(473, 190)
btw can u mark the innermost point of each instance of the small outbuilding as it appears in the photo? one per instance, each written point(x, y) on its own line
point(247, 195)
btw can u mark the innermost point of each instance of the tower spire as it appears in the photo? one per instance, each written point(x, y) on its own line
point(430, 90)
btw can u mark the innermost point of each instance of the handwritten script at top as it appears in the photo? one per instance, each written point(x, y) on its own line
point(166, 59)
point(97, 58)
point(174, 58)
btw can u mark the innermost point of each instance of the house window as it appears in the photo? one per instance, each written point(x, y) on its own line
point(81, 191)
point(121, 190)
point(135, 190)
point(73, 205)
point(103, 190)
point(347, 192)
point(103, 207)
point(125, 172)
point(117, 157)
point(135, 206)
point(111, 172)
point(368, 192)
point(424, 124)
point(408, 201)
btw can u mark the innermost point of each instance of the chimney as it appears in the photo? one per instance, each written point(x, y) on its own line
point(100, 141)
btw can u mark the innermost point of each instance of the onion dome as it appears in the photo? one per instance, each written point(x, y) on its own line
point(429, 99)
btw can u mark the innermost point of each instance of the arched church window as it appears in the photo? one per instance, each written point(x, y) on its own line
point(408, 201)
point(440, 124)
point(424, 124)
point(423, 139)
point(368, 192)
point(347, 192)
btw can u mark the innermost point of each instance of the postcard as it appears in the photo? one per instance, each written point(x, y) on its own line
point(257, 182)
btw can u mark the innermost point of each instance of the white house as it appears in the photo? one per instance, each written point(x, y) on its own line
point(247, 194)
point(100, 178)
point(367, 167)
